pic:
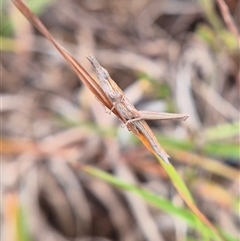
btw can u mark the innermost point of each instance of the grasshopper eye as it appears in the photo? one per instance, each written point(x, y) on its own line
point(105, 73)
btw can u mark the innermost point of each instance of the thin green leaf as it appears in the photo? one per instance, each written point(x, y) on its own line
point(223, 150)
point(157, 201)
point(22, 228)
point(222, 132)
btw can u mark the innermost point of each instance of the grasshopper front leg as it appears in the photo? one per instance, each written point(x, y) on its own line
point(118, 100)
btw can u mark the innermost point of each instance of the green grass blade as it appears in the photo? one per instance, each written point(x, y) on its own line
point(156, 201)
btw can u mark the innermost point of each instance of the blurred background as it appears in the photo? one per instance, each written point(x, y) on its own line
point(168, 56)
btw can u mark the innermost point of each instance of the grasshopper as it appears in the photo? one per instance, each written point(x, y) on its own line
point(128, 111)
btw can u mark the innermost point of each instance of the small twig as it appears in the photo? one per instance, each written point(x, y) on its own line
point(228, 19)
point(215, 100)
